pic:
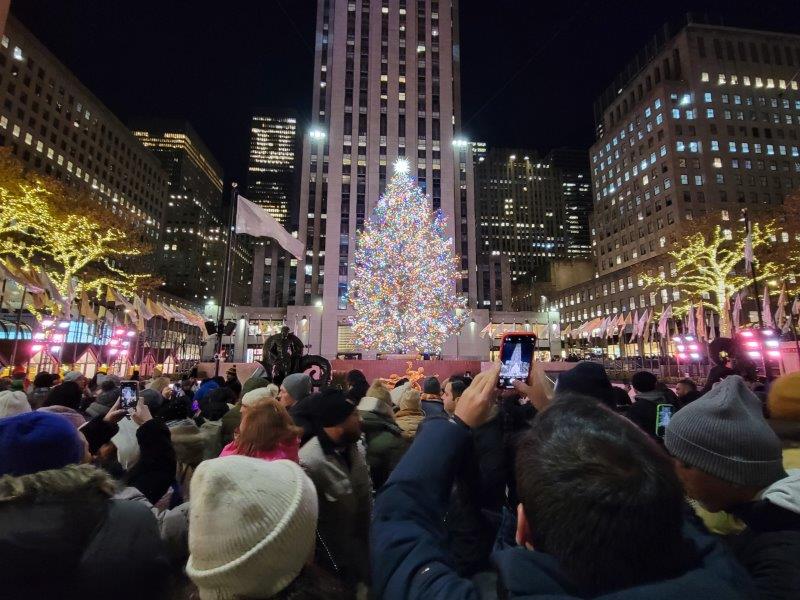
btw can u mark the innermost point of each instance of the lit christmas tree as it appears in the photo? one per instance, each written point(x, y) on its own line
point(405, 274)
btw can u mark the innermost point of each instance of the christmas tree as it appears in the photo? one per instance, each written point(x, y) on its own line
point(405, 274)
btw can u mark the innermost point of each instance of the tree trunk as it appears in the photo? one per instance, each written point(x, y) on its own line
point(724, 317)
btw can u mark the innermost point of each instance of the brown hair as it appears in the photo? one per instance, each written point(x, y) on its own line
point(264, 426)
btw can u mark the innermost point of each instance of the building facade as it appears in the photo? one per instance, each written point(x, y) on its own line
point(571, 167)
point(521, 217)
point(191, 251)
point(386, 85)
point(54, 125)
point(705, 121)
point(272, 168)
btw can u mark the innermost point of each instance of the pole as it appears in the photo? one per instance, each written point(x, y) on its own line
point(753, 271)
point(226, 274)
point(19, 322)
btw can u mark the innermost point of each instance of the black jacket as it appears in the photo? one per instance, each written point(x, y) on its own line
point(644, 410)
point(302, 415)
point(76, 542)
point(770, 546)
point(154, 472)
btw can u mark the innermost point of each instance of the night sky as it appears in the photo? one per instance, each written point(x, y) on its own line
point(530, 70)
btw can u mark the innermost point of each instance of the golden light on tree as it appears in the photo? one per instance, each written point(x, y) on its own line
point(66, 232)
point(709, 261)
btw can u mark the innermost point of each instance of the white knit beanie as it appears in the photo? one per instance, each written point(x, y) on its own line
point(255, 396)
point(13, 403)
point(251, 526)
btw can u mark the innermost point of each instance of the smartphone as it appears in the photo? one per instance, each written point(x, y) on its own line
point(663, 415)
point(128, 394)
point(516, 357)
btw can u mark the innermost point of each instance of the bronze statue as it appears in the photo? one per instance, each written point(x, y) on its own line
point(283, 355)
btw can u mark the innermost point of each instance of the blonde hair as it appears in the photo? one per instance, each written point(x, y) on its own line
point(377, 390)
point(265, 425)
point(159, 383)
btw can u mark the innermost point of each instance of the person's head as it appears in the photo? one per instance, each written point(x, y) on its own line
point(38, 441)
point(256, 395)
point(685, 387)
point(783, 402)
point(725, 452)
point(377, 390)
point(252, 528)
point(294, 388)
point(452, 392)
point(66, 394)
point(644, 381)
point(159, 383)
point(264, 426)
point(216, 403)
point(409, 400)
point(599, 496)
point(77, 377)
point(588, 379)
point(13, 403)
point(219, 380)
point(43, 380)
point(108, 385)
point(253, 383)
point(337, 416)
point(230, 374)
point(201, 375)
point(356, 377)
point(432, 387)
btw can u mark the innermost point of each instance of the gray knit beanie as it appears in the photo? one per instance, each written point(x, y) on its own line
point(724, 433)
point(298, 385)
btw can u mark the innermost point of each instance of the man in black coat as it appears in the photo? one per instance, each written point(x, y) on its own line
point(651, 405)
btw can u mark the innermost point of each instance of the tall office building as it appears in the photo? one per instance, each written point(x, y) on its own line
point(520, 217)
point(386, 85)
point(272, 167)
point(191, 251)
point(571, 167)
point(704, 120)
point(55, 125)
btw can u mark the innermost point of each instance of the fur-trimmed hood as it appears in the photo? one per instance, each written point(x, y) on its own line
point(72, 480)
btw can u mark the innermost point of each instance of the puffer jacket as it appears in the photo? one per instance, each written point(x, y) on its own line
point(408, 420)
point(63, 536)
point(384, 439)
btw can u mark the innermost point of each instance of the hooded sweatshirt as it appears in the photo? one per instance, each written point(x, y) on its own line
point(770, 546)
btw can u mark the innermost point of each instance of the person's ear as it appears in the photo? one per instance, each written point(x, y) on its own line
point(523, 536)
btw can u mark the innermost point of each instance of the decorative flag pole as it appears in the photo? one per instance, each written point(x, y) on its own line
point(226, 275)
point(749, 263)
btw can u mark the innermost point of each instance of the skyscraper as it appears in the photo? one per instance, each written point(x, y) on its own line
point(704, 121)
point(571, 167)
point(272, 167)
point(191, 252)
point(386, 85)
point(521, 218)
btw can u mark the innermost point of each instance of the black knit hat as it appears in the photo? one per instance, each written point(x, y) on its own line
point(589, 379)
point(330, 408)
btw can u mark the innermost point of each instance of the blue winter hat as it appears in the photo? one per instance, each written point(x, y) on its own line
point(37, 441)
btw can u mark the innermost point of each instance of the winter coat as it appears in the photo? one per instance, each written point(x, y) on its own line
point(344, 490)
point(432, 406)
point(98, 432)
point(62, 536)
point(302, 415)
point(280, 452)
point(384, 439)
point(770, 546)
point(644, 410)
point(410, 560)
point(154, 472)
point(408, 420)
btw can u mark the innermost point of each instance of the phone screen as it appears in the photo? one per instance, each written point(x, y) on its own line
point(663, 415)
point(516, 356)
point(128, 394)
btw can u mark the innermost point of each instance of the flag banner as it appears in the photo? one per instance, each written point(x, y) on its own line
point(86, 308)
point(663, 321)
point(766, 309)
point(796, 306)
point(712, 328)
point(737, 311)
point(748, 250)
point(253, 220)
point(780, 312)
point(692, 326)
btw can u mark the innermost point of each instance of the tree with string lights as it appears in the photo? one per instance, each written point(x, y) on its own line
point(405, 274)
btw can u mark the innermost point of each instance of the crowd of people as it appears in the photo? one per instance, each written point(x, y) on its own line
point(248, 488)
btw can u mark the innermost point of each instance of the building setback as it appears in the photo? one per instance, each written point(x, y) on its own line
point(386, 85)
point(55, 125)
point(571, 167)
point(704, 121)
point(191, 251)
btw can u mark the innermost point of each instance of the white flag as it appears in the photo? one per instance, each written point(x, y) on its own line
point(253, 220)
point(780, 313)
point(766, 309)
point(737, 310)
point(692, 327)
point(796, 306)
point(663, 321)
point(748, 249)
